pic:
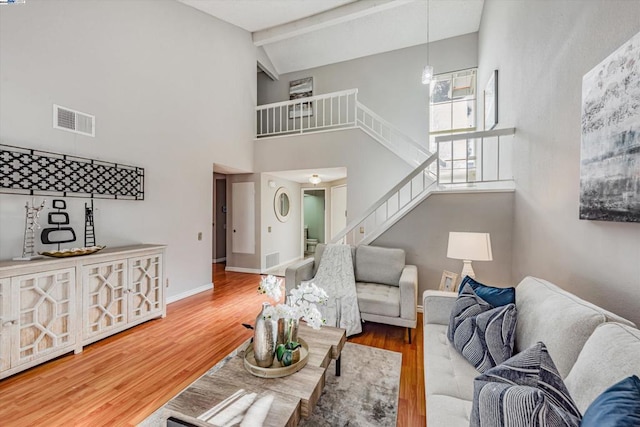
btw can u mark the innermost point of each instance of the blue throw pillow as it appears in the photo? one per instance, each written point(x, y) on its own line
point(483, 334)
point(526, 390)
point(617, 406)
point(494, 296)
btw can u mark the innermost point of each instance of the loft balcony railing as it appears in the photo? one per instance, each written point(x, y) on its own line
point(474, 157)
point(468, 158)
point(333, 111)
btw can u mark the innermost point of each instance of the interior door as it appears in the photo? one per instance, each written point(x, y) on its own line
point(221, 220)
point(338, 209)
point(243, 234)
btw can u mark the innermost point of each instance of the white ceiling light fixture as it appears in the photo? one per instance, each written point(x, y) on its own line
point(427, 71)
point(315, 179)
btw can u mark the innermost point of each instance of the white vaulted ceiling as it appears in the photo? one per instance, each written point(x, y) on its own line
point(302, 34)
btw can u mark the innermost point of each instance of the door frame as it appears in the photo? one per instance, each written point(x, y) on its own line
point(331, 213)
point(303, 244)
point(217, 177)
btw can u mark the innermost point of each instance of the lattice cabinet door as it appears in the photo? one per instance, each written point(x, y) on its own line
point(145, 285)
point(6, 323)
point(105, 297)
point(46, 314)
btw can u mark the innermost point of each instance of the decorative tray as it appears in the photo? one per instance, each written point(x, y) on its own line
point(64, 253)
point(275, 371)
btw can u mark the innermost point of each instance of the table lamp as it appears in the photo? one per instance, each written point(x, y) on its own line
point(469, 247)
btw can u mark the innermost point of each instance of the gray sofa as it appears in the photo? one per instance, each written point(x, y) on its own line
point(387, 288)
point(591, 347)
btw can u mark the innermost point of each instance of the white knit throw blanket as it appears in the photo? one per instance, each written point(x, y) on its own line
point(335, 275)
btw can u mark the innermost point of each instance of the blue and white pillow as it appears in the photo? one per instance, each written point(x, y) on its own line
point(483, 334)
point(617, 406)
point(526, 390)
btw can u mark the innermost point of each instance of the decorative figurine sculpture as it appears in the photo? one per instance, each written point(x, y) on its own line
point(89, 234)
point(30, 225)
point(58, 234)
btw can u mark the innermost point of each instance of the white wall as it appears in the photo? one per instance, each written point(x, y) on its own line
point(372, 170)
point(284, 237)
point(173, 91)
point(424, 234)
point(542, 50)
point(388, 83)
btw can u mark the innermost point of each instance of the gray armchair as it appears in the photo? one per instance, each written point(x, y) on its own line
point(387, 288)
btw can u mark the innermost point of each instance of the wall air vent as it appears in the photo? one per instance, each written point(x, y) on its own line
point(271, 260)
point(73, 121)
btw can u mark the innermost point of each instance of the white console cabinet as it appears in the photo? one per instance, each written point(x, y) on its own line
point(52, 306)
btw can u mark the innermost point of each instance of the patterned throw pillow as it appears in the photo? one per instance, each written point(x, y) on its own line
point(484, 335)
point(526, 390)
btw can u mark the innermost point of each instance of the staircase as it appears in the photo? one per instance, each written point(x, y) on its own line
point(464, 161)
point(333, 112)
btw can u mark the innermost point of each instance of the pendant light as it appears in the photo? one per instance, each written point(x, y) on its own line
point(427, 71)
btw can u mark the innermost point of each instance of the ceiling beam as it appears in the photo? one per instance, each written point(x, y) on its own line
point(348, 12)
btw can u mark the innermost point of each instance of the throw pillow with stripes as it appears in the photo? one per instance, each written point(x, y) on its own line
point(483, 334)
point(526, 390)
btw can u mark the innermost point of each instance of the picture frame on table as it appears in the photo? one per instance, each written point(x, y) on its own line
point(449, 281)
point(491, 102)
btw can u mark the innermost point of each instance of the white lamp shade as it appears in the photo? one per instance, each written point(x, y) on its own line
point(469, 246)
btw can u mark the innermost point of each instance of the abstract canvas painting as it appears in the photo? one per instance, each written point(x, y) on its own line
point(610, 149)
point(302, 88)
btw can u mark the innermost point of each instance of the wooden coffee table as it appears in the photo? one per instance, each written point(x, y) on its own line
point(293, 397)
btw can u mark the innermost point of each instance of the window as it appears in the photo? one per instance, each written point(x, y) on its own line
point(453, 102)
point(453, 110)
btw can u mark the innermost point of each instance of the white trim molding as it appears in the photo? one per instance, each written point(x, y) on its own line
point(243, 270)
point(189, 293)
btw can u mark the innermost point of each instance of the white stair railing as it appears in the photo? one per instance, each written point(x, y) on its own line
point(390, 207)
point(482, 154)
point(465, 158)
point(389, 136)
point(474, 157)
point(333, 111)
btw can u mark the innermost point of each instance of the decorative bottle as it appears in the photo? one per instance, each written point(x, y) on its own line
point(264, 339)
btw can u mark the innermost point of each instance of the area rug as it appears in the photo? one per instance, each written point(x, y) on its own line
point(366, 394)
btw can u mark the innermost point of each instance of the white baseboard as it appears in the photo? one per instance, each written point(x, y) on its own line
point(217, 260)
point(190, 292)
point(243, 270)
point(282, 264)
point(420, 309)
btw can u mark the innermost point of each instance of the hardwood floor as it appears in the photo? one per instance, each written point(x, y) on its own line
point(119, 381)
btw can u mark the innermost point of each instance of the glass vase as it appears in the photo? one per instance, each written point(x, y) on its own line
point(287, 330)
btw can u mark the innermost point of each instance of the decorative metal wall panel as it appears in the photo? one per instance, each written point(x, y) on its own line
point(35, 172)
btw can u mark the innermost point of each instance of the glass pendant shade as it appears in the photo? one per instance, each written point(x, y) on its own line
point(427, 74)
point(315, 179)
